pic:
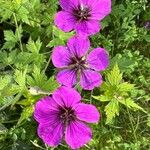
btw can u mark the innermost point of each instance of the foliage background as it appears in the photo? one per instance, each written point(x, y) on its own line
point(27, 37)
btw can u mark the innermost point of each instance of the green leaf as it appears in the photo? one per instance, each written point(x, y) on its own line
point(18, 33)
point(51, 84)
point(27, 112)
point(112, 110)
point(131, 104)
point(62, 35)
point(4, 81)
point(5, 102)
point(29, 101)
point(22, 15)
point(39, 79)
point(10, 39)
point(114, 77)
point(20, 77)
point(102, 98)
point(34, 47)
point(55, 42)
point(125, 87)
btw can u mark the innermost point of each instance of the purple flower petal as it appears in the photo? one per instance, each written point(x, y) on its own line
point(98, 59)
point(100, 8)
point(46, 111)
point(61, 57)
point(51, 134)
point(77, 134)
point(90, 79)
point(78, 46)
point(87, 113)
point(67, 77)
point(68, 5)
point(65, 21)
point(86, 28)
point(65, 96)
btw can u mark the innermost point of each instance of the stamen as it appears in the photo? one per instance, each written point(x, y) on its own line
point(67, 115)
point(82, 13)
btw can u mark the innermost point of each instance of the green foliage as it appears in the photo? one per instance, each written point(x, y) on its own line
point(116, 92)
point(59, 37)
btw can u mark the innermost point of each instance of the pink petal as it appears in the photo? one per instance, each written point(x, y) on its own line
point(77, 134)
point(90, 79)
point(67, 77)
point(100, 9)
point(86, 28)
point(65, 21)
point(98, 59)
point(51, 134)
point(68, 5)
point(65, 96)
point(46, 110)
point(78, 46)
point(87, 113)
point(61, 57)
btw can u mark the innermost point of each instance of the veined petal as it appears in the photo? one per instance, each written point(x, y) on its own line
point(61, 57)
point(65, 21)
point(65, 96)
point(67, 77)
point(100, 9)
point(98, 59)
point(46, 110)
point(77, 134)
point(69, 5)
point(90, 79)
point(87, 113)
point(78, 46)
point(86, 28)
point(51, 134)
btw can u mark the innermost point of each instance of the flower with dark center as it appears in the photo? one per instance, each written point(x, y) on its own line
point(76, 64)
point(63, 116)
point(83, 16)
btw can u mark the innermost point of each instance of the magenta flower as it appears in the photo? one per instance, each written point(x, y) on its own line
point(76, 64)
point(62, 116)
point(83, 16)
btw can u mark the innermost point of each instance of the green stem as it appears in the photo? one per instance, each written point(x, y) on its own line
point(132, 126)
point(17, 27)
point(47, 64)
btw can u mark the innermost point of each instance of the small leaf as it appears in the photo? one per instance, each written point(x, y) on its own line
point(125, 87)
point(131, 104)
point(112, 110)
point(114, 77)
point(101, 98)
point(4, 81)
point(10, 39)
point(34, 47)
point(62, 35)
point(27, 112)
point(23, 15)
point(39, 79)
point(20, 77)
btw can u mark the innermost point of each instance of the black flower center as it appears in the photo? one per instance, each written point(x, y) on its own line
point(79, 63)
point(67, 114)
point(82, 13)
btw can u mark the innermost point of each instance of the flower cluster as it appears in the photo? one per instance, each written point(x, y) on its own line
point(62, 116)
